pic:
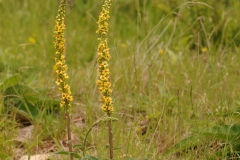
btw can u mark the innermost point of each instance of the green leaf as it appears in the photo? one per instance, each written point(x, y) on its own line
point(185, 40)
point(106, 119)
point(78, 146)
point(48, 106)
point(62, 152)
point(23, 115)
point(227, 133)
point(173, 57)
point(3, 155)
point(23, 92)
point(29, 108)
point(75, 155)
point(81, 5)
point(22, 99)
point(10, 81)
point(184, 144)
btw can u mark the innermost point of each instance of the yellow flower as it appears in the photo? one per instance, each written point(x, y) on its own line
point(161, 51)
point(204, 49)
point(31, 40)
point(123, 45)
point(103, 81)
point(60, 67)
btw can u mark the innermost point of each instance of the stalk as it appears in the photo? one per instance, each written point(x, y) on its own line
point(110, 136)
point(69, 131)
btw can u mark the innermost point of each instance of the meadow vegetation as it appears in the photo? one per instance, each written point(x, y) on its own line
point(174, 72)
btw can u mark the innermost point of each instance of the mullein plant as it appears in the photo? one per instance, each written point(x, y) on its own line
point(103, 82)
point(61, 68)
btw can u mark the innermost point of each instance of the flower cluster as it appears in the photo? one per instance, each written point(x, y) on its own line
point(60, 66)
point(103, 81)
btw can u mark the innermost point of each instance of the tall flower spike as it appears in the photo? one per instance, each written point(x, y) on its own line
point(103, 82)
point(60, 64)
point(61, 69)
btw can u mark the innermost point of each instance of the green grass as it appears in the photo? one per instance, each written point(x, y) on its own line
point(159, 99)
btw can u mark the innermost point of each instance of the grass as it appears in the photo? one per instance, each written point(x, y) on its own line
point(158, 98)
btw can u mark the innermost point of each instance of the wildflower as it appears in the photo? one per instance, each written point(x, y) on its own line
point(204, 49)
point(161, 51)
point(103, 82)
point(123, 45)
point(60, 67)
point(31, 40)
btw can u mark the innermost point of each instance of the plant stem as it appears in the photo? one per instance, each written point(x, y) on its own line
point(85, 140)
point(68, 120)
point(110, 136)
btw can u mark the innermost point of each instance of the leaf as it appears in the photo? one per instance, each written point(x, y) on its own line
point(227, 133)
point(22, 99)
point(75, 155)
point(89, 158)
point(172, 101)
point(184, 144)
point(48, 106)
point(78, 146)
point(30, 109)
point(185, 40)
point(62, 152)
point(10, 81)
point(23, 115)
point(81, 5)
point(106, 119)
point(3, 155)
point(173, 56)
point(23, 92)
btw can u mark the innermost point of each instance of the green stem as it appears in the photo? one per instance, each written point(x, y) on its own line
point(103, 119)
point(85, 140)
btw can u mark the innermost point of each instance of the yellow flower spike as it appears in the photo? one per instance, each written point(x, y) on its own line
point(60, 66)
point(103, 81)
point(61, 69)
